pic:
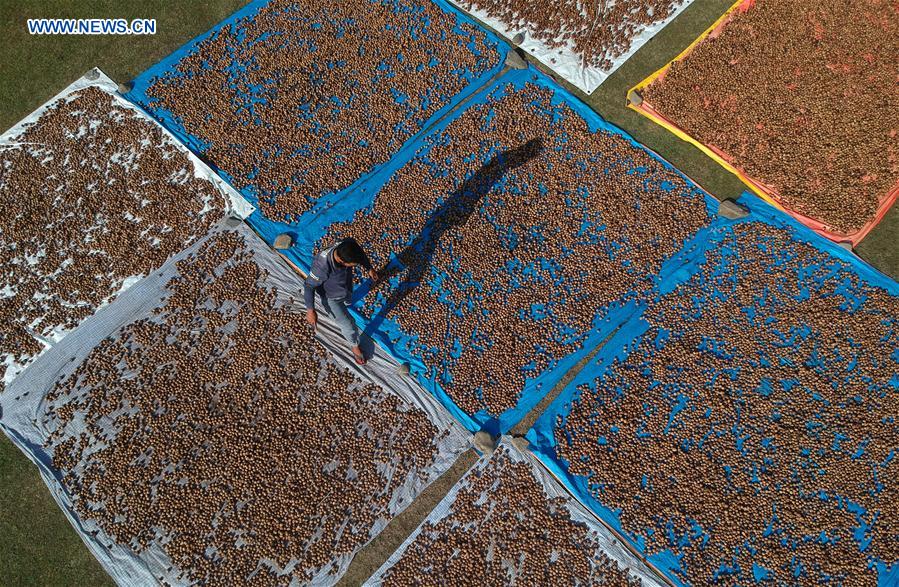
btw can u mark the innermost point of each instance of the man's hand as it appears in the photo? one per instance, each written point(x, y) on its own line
point(373, 275)
point(312, 319)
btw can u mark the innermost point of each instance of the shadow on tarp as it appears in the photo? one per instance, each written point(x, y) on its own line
point(406, 348)
point(677, 271)
point(329, 207)
point(455, 211)
point(343, 205)
point(415, 259)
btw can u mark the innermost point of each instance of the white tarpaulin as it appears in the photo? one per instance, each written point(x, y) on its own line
point(50, 332)
point(605, 541)
point(235, 204)
point(24, 419)
point(564, 60)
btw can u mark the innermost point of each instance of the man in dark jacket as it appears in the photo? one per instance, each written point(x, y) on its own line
point(332, 278)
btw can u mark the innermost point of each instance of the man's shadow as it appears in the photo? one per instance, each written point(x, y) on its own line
point(454, 211)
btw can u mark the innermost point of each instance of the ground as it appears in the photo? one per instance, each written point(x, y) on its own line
point(37, 544)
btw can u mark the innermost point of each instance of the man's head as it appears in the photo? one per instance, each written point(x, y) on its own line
point(350, 253)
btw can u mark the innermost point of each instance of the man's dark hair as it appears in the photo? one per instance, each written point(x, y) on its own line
point(350, 251)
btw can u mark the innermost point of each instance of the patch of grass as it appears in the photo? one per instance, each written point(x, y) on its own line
point(881, 247)
point(37, 544)
point(375, 553)
point(36, 67)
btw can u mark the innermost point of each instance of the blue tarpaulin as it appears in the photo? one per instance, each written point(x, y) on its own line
point(718, 238)
point(402, 344)
point(308, 227)
point(341, 206)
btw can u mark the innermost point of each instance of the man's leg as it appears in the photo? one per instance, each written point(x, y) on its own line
point(326, 306)
point(345, 322)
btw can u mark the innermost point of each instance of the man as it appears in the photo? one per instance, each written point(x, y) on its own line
point(332, 277)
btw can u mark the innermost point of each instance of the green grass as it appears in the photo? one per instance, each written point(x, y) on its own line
point(881, 247)
point(37, 544)
point(35, 68)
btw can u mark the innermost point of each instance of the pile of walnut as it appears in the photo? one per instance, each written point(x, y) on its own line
point(599, 31)
point(303, 98)
point(518, 253)
point(803, 99)
point(92, 194)
point(218, 429)
point(757, 410)
point(504, 530)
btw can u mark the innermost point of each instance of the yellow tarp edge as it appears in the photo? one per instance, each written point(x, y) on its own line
point(654, 75)
point(679, 132)
point(711, 154)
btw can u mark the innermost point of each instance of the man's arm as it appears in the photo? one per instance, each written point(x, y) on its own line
point(309, 295)
point(312, 282)
point(369, 270)
point(317, 276)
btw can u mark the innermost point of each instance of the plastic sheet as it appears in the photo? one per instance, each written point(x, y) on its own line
point(606, 543)
point(309, 226)
point(757, 186)
point(233, 203)
point(566, 61)
point(23, 407)
point(403, 345)
point(836, 274)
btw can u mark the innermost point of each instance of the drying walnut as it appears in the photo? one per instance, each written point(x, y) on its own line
point(519, 228)
point(93, 194)
point(803, 99)
point(219, 430)
point(755, 422)
point(599, 31)
point(503, 529)
point(301, 99)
